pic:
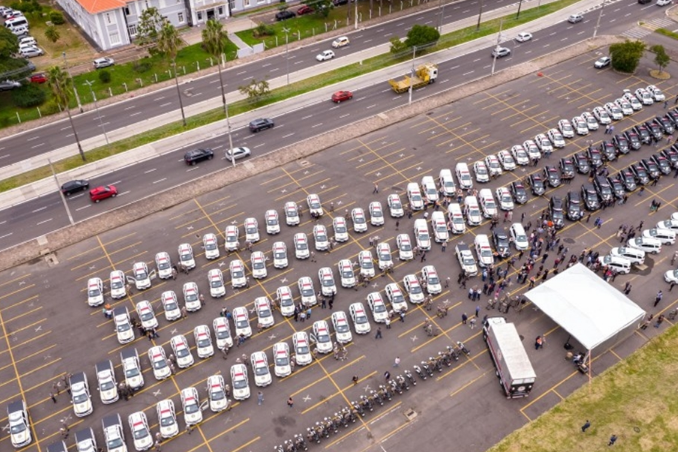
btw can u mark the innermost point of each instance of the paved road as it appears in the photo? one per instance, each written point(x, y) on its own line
point(48, 330)
point(54, 136)
point(31, 219)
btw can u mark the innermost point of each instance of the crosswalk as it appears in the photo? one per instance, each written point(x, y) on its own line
point(652, 24)
point(637, 33)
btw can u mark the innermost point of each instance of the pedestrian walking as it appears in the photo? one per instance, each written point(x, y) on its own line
point(538, 343)
point(585, 426)
point(290, 402)
point(396, 362)
point(51, 396)
point(387, 375)
point(387, 322)
point(666, 103)
point(355, 380)
point(189, 428)
point(156, 446)
point(376, 189)
point(402, 316)
point(174, 272)
point(397, 224)
point(464, 318)
point(184, 312)
point(312, 256)
point(660, 319)
point(65, 426)
point(64, 433)
point(444, 246)
point(613, 439)
point(260, 398)
point(378, 335)
point(658, 298)
point(472, 323)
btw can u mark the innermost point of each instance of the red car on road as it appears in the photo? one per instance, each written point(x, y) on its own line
point(103, 192)
point(341, 96)
point(39, 77)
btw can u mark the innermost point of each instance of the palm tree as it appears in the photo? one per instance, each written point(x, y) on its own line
point(60, 84)
point(214, 39)
point(168, 44)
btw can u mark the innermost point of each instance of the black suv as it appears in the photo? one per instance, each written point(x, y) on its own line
point(588, 193)
point(633, 139)
point(284, 15)
point(581, 162)
point(621, 143)
point(574, 212)
point(552, 176)
point(663, 163)
point(595, 157)
point(671, 156)
point(639, 173)
point(556, 211)
point(501, 243)
point(617, 186)
point(655, 130)
point(198, 155)
point(261, 124)
point(673, 116)
point(627, 179)
point(608, 150)
point(643, 133)
point(74, 186)
point(603, 188)
point(536, 183)
point(665, 123)
point(651, 168)
point(567, 168)
point(518, 192)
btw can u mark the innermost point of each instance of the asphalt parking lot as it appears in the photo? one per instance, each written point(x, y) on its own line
point(49, 330)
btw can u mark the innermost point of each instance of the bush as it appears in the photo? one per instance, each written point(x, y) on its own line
point(262, 30)
point(27, 96)
point(104, 76)
point(141, 66)
point(27, 7)
point(57, 18)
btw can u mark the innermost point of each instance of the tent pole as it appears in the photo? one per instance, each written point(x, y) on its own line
point(589, 371)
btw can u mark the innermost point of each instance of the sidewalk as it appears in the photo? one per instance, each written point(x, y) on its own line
point(195, 136)
point(231, 26)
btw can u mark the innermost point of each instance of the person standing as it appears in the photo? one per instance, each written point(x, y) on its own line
point(538, 343)
point(376, 189)
point(585, 426)
point(658, 298)
point(290, 402)
point(613, 439)
point(378, 335)
point(260, 398)
point(51, 396)
point(464, 318)
point(396, 362)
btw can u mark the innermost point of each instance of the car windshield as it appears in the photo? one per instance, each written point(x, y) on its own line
point(210, 246)
point(17, 428)
point(159, 364)
point(397, 297)
point(395, 203)
point(567, 127)
point(140, 433)
point(203, 342)
point(272, 221)
point(258, 265)
point(307, 291)
point(279, 255)
point(237, 273)
point(94, 292)
point(166, 421)
point(474, 212)
point(264, 311)
point(131, 372)
point(251, 229)
point(182, 352)
point(468, 260)
point(80, 398)
point(485, 252)
point(359, 219)
point(433, 279)
point(140, 274)
point(107, 385)
point(191, 296)
point(423, 236)
point(239, 383)
point(323, 337)
point(362, 318)
point(521, 238)
point(489, 204)
point(380, 307)
point(186, 257)
point(114, 443)
point(347, 273)
point(480, 169)
point(286, 301)
point(242, 322)
point(302, 349)
point(321, 237)
point(366, 262)
point(327, 282)
point(405, 246)
point(281, 359)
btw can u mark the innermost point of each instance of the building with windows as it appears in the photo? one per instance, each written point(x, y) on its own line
point(113, 23)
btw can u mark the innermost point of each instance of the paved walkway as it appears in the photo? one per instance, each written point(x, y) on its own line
point(231, 25)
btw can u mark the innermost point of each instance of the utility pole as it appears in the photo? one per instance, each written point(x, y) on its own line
point(494, 60)
point(414, 53)
point(96, 106)
point(75, 90)
point(600, 16)
point(356, 14)
point(70, 119)
point(480, 15)
point(287, 59)
point(176, 82)
point(442, 16)
point(63, 197)
point(228, 118)
point(520, 5)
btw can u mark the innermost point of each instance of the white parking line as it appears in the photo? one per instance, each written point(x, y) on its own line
point(467, 73)
point(371, 106)
point(344, 116)
point(137, 113)
point(130, 107)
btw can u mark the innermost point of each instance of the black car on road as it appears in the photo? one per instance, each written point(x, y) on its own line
point(556, 211)
point(261, 124)
point(501, 243)
point(663, 163)
point(74, 186)
point(616, 186)
point(595, 157)
point(198, 155)
point(621, 143)
point(643, 133)
point(518, 192)
point(581, 162)
point(536, 183)
point(608, 149)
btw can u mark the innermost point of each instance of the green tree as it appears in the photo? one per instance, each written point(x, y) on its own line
point(397, 46)
point(255, 91)
point(52, 33)
point(626, 55)
point(168, 44)
point(421, 35)
point(214, 42)
point(661, 59)
point(149, 26)
point(61, 86)
point(9, 44)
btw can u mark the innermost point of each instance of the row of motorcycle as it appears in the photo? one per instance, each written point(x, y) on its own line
point(384, 393)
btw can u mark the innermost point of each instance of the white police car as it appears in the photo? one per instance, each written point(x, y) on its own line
point(301, 250)
point(163, 264)
point(251, 230)
point(170, 305)
point(321, 239)
point(430, 276)
point(366, 262)
point(359, 221)
point(95, 292)
point(340, 229)
point(211, 246)
point(291, 213)
point(346, 273)
point(181, 351)
point(265, 317)
point(191, 297)
point(216, 282)
point(186, 255)
point(281, 359)
point(203, 341)
point(222, 333)
point(396, 297)
point(262, 376)
point(321, 336)
point(241, 386)
point(258, 261)
point(285, 301)
point(360, 321)
point(378, 307)
point(326, 278)
point(272, 222)
point(242, 322)
point(306, 290)
point(117, 280)
point(146, 315)
point(376, 214)
point(384, 256)
point(141, 434)
point(302, 348)
point(342, 332)
point(405, 251)
point(279, 252)
point(167, 418)
point(216, 393)
point(238, 277)
point(395, 206)
point(159, 363)
point(191, 406)
point(413, 288)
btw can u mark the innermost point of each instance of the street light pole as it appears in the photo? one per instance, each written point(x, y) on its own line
point(75, 90)
point(520, 5)
point(494, 60)
point(442, 16)
point(176, 82)
point(480, 15)
point(600, 16)
point(63, 197)
point(287, 59)
point(228, 119)
point(96, 107)
point(356, 14)
point(414, 52)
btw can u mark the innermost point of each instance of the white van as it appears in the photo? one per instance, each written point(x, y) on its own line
point(616, 263)
point(439, 227)
point(463, 176)
point(666, 236)
point(17, 22)
point(472, 210)
point(519, 237)
point(456, 219)
point(430, 190)
point(649, 245)
point(636, 256)
point(446, 182)
point(487, 203)
point(483, 250)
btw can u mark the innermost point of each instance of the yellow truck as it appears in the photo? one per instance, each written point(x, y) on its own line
point(425, 74)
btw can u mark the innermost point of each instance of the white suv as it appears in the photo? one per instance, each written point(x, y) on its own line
point(421, 234)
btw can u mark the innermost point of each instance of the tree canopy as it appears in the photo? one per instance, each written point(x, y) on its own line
point(661, 58)
point(149, 26)
point(421, 35)
point(626, 55)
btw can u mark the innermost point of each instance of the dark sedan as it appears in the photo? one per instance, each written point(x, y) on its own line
point(655, 130)
point(608, 150)
point(633, 139)
point(627, 179)
point(74, 186)
point(671, 156)
point(651, 168)
point(567, 168)
point(581, 162)
point(643, 133)
point(518, 192)
point(639, 173)
point(198, 155)
point(663, 163)
point(665, 123)
point(552, 176)
point(621, 143)
point(574, 209)
point(501, 243)
point(595, 157)
point(536, 183)
point(556, 211)
point(617, 187)
point(590, 197)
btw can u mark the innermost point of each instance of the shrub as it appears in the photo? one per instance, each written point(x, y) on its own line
point(27, 96)
point(104, 76)
point(262, 30)
point(141, 66)
point(27, 7)
point(57, 18)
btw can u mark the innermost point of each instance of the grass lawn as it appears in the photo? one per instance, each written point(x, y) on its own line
point(635, 400)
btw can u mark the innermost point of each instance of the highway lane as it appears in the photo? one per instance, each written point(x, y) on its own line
point(59, 134)
point(31, 219)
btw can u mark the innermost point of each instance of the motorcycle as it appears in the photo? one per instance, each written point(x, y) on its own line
point(343, 420)
point(402, 384)
point(358, 408)
point(453, 352)
point(387, 390)
point(395, 387)
point(410, 377)
point(377, 397)
point(300, 442)
point(446, 358)
point(289, 446)
point(312, 435)
point(463, 348)
point(420, 372)
point(366, 403)
point(322, 430)
point(427, 368)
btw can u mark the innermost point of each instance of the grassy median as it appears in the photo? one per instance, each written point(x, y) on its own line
point(295, 89)
point(636, 400)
